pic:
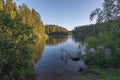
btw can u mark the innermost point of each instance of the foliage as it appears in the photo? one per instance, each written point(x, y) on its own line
point(19, 28)
point(81, 32)
point(55, 30)
point(100, 74)
point(11, 9)
point(107, 44)
point(1, 5)
point(15, 54)
point(32, 19)
point(102, 38)
point(110, 11)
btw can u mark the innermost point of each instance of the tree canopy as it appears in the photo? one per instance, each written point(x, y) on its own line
point(55, 30)
point(19, 28)
point(110, 11)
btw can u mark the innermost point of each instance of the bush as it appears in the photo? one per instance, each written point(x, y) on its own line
point(15, 53)
point(108, 40)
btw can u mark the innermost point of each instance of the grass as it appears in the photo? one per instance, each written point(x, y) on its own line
point(100, 74)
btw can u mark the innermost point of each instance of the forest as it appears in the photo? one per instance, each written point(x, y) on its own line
point(94, 29)
point(104, 36)
point(103, 42)
point(21, 28)
point(55, 30)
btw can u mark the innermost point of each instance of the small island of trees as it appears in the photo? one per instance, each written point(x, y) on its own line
point(55, 30)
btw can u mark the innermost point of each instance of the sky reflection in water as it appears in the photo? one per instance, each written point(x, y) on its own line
point(56, 64)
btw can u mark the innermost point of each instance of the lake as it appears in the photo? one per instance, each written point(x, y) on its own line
point(58, 58)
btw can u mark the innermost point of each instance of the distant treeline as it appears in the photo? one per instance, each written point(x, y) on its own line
point(82, 32)
point(55, 30)
point(87, 30)
point(107, 19)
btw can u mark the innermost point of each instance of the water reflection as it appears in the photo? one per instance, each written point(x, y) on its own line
point(79, 38)
point(56, 40)
point(81, 43)
point(59, 60)
point(65, 56)
point(38, 48)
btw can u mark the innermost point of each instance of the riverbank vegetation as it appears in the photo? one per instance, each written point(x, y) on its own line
point(100, 74)
point(20, 27)
point(107, 44)
point(103, 42)
point(103, 38)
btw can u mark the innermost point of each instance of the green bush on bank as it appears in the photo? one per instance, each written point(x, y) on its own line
point(101, 44)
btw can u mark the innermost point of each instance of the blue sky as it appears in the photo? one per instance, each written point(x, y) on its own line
point(66, 13)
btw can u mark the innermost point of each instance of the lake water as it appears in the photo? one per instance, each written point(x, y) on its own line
point(58, 59)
